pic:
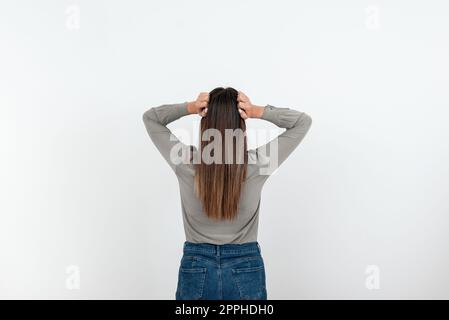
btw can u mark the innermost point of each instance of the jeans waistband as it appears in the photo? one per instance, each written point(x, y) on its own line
point(222, 249)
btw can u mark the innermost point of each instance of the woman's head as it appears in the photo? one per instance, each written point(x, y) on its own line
point(222, 111)
point(221, 173)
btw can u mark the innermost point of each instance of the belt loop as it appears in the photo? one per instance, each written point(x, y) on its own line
point(258, 246)
point(217, 248)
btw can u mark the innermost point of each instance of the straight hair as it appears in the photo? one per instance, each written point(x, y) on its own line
point(219, 184)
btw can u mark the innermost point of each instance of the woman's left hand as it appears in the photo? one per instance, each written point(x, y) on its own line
point(199, 106)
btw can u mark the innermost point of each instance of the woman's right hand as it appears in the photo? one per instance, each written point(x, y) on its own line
point(246, 108)
point(199, 106)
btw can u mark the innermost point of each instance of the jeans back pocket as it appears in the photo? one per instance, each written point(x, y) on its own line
point(250, 282)
point(191, 283)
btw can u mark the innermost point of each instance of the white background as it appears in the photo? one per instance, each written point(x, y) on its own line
point(85, 193)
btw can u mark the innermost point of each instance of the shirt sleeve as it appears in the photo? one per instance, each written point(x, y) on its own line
point(156, 120)
point(297, 124)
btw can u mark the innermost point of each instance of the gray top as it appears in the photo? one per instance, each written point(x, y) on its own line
point(198, 227)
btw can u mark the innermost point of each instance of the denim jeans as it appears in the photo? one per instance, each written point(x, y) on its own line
point(217, 272)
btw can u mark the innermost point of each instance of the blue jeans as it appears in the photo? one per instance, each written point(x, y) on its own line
point(217, 272)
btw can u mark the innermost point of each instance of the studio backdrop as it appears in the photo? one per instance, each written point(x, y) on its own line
point(90, 210)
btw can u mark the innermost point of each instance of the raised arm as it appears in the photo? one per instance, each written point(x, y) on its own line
point(157, 118)
point(296, 122)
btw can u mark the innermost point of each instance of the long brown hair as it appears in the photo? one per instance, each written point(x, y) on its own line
point(219, 185)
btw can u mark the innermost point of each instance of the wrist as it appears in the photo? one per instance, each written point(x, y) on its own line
point(191, 106)
point(257, 111)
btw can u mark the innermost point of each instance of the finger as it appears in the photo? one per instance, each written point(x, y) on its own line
point(200, 98)
point(203, 113)
point(204, 96)
point(242, 97)
point(243, 114)
point(242, 105)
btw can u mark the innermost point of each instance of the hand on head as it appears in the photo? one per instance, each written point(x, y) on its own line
point(244, 105)
point(199, 106)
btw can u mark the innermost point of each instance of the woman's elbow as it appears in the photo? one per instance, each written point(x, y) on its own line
point(148, 115)
point(306, 119)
